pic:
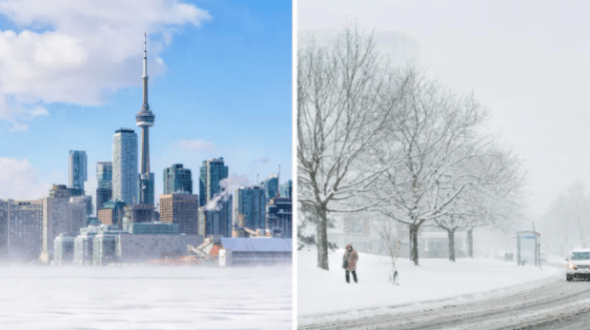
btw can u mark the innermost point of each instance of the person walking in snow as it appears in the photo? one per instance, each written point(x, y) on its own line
point(349, 263)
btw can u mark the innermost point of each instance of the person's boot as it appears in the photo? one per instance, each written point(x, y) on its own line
point(347, 278)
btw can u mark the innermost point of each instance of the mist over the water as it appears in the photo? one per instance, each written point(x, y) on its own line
point(145, 297)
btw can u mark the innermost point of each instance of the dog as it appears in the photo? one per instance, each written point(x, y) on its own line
point(393, 277)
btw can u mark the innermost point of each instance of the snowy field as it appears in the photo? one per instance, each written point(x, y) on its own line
point(142, 297)
point(323, 292)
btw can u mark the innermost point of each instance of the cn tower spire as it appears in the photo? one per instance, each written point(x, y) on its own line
point(145, 105)
point(145, 119)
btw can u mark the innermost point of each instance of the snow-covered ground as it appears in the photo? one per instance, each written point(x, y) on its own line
point(183, 297)
point(323, 292)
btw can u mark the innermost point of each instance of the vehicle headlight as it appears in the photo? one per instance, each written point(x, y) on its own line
point(571, 265)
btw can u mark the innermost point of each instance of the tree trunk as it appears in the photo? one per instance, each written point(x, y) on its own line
point(451, 233)
point(322, 233)
point(470, 242)
point(414, 243)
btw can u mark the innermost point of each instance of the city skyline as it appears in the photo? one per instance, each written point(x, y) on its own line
point(207, 102)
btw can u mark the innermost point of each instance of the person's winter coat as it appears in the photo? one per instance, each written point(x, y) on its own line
point(352, 257)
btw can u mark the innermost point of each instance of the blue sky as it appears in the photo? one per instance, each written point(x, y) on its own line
point(220, 85)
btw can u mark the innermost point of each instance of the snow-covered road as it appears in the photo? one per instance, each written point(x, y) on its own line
point(550, 304)
point(439, 294)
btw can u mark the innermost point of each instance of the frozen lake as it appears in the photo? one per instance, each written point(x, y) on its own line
point(143, 297)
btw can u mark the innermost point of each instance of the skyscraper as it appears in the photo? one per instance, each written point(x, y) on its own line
point(177, 179)
point(145, 119)
point(55, 218)
point(250, 203)
point(217, 221)
point(104, 179)
point(271, 186)
point(78, 170)
point(286, 189)
point(125, 166)
point(212, 172)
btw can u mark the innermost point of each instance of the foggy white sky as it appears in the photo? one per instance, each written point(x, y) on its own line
point(528, 61)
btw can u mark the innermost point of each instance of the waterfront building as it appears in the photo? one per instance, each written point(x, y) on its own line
point(55, 216)
point(21, 227)
point(240, 251)
point(63, 247)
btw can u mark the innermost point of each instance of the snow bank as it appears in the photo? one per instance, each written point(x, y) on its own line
point(322, 292)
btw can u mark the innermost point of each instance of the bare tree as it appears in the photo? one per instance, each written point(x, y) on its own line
point(492, 196)
point(388, 235)
point(344, 94)
point(434, 132)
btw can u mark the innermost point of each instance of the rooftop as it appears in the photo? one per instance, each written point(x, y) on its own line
point(257, 244)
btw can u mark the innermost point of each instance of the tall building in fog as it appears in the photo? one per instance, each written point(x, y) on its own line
point(21, 228)
point(125, 166)
point(55, 214)
point(78, 170)
point(177, 179)
point(104, 180)
point(217, 221)
point(145, 119)
point(250, 204)
point(212, 172)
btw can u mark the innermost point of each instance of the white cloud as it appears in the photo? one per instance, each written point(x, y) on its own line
point(39, 111)
point(16, 127)
point(18, 180)
point(193, 145)
point(85, 50)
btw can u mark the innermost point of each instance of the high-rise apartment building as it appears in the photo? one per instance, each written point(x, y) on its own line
point(78, 169)
point(271, 186)
point(182, 209)
point(177, 179)
point(212, 172)
point(124, 166)
point(21, 227)
point(104, 180)
point(250, 203)
point(55, 214)
point(286, 189)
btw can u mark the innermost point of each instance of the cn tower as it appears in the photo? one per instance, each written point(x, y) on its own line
point(145, 119)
